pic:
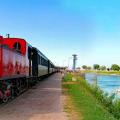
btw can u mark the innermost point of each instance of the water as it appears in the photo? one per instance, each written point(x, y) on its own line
point(108, 83)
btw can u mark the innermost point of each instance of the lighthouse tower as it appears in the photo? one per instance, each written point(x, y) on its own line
point(74, 61)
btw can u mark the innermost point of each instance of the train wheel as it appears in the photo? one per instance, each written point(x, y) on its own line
point(18, 88)
point(5, 99)
point(12, 93)
point(17, 91)
point(39, 79)
point(27, 83)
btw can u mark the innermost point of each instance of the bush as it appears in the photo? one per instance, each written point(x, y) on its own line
point(109, 102)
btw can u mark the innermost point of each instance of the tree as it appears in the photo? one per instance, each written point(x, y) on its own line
point(115, 67)
point(96, 66)
point(84, 67)
point(103, 67)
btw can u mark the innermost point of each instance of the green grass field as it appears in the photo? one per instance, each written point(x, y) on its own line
point(84, 102)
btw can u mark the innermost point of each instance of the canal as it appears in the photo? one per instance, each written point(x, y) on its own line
point(108, 83)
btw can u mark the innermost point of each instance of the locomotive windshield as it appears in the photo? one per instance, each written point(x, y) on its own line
point(17, 46)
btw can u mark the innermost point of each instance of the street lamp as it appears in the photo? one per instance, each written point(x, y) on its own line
point(69, 61)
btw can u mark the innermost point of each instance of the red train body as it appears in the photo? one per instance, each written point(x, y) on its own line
point(13, 59)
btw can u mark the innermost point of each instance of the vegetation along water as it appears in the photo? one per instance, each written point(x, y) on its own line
point(89, 100)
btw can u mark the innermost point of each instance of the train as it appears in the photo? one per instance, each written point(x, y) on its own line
point(21, 66)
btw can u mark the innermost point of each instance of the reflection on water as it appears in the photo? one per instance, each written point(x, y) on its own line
point(108, 83)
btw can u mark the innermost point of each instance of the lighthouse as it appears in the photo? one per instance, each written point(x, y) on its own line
point(74, 61)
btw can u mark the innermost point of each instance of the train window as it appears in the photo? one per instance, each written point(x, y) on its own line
point(44, 62)
point(5, 46)
point(17, 46)
point(39, 59)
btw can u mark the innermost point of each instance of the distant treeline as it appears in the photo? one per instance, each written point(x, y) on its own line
point(114, 67)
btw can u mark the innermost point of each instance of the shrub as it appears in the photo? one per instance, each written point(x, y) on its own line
point(109, 102)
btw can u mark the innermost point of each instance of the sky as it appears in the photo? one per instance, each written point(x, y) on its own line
point(60, 28)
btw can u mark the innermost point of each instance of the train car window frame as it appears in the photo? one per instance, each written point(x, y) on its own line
point(39, 59)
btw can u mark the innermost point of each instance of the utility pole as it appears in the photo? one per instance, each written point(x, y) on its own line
point(74, 61)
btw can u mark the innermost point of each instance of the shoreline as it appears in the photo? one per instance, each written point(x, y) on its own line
point(112, 73)
point(86, 104)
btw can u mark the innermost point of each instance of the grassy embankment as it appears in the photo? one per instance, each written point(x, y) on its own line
point(103, 72)
point(86, 106)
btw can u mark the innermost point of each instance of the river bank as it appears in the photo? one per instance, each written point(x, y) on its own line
point(103, 72)
point(86, 105)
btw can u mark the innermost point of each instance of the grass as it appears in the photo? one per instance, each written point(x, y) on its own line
point(85, 103)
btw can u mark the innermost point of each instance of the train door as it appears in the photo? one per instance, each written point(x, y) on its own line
point(48, 66)
point(35, 62)
point(30, 60)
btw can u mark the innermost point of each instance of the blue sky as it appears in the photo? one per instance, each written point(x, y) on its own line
point(59, 28)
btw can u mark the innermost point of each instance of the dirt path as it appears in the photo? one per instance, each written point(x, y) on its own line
point(42, 102)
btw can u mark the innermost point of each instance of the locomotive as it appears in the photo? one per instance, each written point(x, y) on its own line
point(21, 66)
